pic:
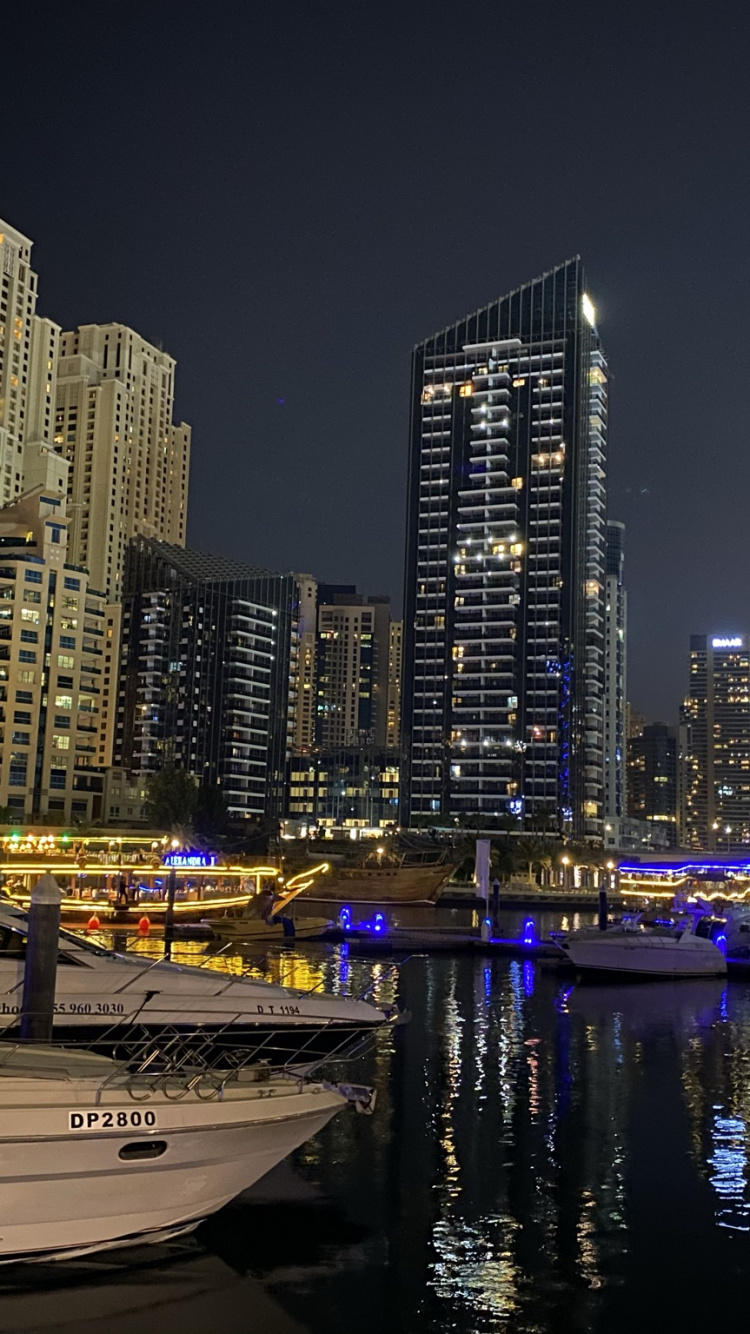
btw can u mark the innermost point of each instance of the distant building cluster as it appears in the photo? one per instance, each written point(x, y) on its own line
point(502, 696)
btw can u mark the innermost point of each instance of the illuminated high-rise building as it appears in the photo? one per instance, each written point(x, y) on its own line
point(28, 352)
point(503, 699)
point(716, 716)
point(615, 675)
point(653, 777)
point(129, 462)
point(52, 638)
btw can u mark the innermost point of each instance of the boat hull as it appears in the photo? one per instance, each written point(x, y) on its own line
point(637, 958)
point(387, 884)
point(65, 1191)
point(255, 932)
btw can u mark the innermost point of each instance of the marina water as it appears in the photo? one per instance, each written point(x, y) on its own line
point(543, 1157)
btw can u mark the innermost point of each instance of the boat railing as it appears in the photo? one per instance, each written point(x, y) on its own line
point(178, 1059)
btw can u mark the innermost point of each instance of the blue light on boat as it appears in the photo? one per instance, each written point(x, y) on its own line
point(721, 942)
point(378, 922)
point(528, 936)
point(345, 919)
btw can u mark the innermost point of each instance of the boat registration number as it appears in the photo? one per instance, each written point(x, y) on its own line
point(114, 1120)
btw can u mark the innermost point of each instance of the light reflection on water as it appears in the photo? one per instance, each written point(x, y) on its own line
point(544, 1156)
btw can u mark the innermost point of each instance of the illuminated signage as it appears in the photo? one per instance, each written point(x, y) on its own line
point(727, 643)
point(190, 861)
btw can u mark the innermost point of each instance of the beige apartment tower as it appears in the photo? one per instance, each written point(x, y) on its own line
point(129, 462)
point(28, 353)
point(52, 637)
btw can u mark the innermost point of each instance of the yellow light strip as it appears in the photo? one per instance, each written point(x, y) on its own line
point(191, 872)
point(138, 909)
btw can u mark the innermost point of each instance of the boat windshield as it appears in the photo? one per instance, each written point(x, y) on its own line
point(18, 927)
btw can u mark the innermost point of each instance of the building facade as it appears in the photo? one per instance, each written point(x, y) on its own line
point(28, 356)
point(503, 700)
point(348, 789)
point(395, 671)
point(353, 667)
point(307, 639)
point(51, 653)
point(208, 673)
point(129, 462)
point(653, 778)
point(615, 675)
point(716, 716)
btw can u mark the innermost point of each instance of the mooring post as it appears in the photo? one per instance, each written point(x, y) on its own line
point(602, 907)
point(169, 914)
point(482, 870)
point(40, 970)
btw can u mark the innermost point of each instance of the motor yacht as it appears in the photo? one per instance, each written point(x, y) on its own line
point(675, 948)
point(101, 995)
point(95, 1155)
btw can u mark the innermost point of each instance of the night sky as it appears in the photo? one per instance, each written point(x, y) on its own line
point(289, 196)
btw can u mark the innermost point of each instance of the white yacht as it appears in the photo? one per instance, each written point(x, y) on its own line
point(101, 996)
point(632, 947)
point(93, 1156)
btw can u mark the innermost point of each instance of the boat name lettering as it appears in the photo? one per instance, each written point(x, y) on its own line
point(189, 860)
point(282, 1009)
point(126, 1120)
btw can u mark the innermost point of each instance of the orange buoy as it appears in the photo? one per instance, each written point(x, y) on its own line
point(93, 923)
point(144, 926)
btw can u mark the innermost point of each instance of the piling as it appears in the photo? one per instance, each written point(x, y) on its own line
point(169, 914)
point(603, 908)
point(40, 971)
point(482, 870)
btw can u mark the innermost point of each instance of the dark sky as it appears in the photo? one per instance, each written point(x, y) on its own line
point(290, 196)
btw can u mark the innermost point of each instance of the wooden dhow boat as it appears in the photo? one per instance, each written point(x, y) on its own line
point(408, 878)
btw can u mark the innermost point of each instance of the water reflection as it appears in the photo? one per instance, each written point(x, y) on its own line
point(544, 1157)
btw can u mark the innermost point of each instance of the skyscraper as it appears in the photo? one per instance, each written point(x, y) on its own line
point(652, 777)
point(28, 352)
point(208, 672)
point(129, 461)
point(353, 667)
point(51, 649)
point(615, 675)
point(716, 716)
point(505, 562)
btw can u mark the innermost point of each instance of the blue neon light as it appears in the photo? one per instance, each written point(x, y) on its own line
point(189, 861)
point(345, 918)
point(721, 942)
point(683, 867)
point(528, 935)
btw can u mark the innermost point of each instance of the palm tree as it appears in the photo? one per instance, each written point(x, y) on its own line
point(535, 852)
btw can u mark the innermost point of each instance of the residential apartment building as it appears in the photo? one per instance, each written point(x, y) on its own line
point(716, 717)
point(129, 462)
point(615, 675)
point(653, 778)
point(351, 788)
point(307, 639)
point(28, 353)
point(353, 667)
point(208, 672)
point(503, 697)
point(51, 653)
point(395, 669)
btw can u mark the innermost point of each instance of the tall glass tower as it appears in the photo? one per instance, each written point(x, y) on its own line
point(505, 563)
point(615, 674)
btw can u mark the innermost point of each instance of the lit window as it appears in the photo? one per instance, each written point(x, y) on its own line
point(63, 701)
point(60, 742)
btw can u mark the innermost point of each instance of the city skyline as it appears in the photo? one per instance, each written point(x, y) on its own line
point(291, 246)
